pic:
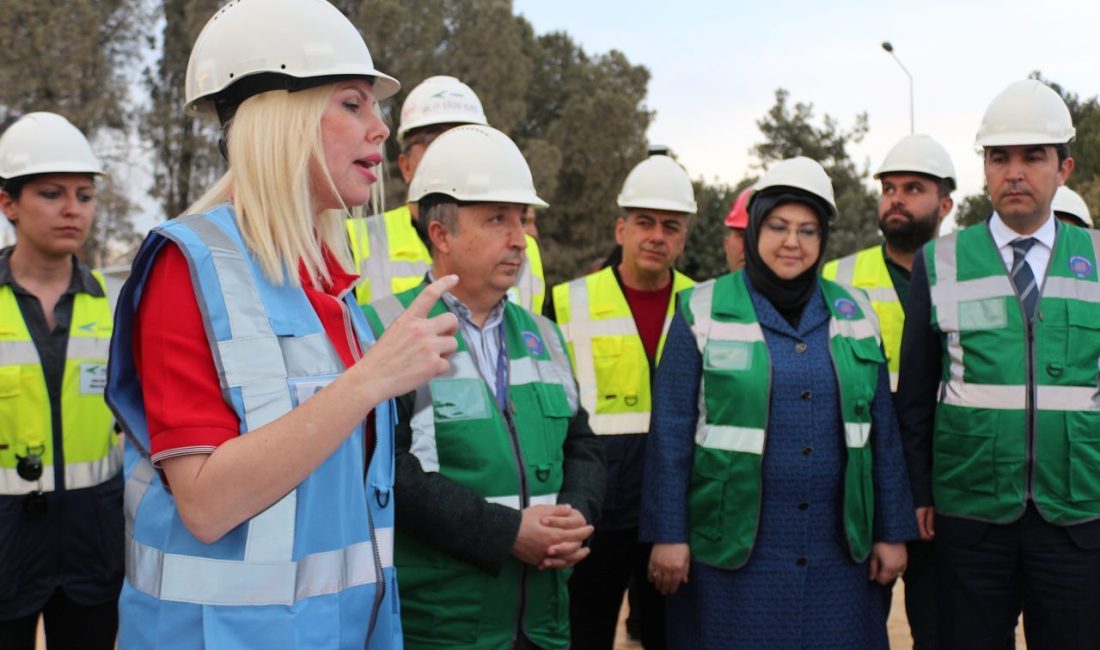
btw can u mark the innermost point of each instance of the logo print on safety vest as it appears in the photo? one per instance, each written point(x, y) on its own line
point(534, 344)
point(846, 308)
point(1080, 266)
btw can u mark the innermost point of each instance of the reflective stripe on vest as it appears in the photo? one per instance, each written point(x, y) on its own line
point(92, 450)
point(610, 358)
point(522, 371)
point(731, 430)
point(459, 432)
point(1018, 411)
point(388, 253)
point(406, 259)
point(263, 375)
point(867, 270)
point(205, 581)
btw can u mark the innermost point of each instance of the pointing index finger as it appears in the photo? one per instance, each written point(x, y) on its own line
point(431, 294)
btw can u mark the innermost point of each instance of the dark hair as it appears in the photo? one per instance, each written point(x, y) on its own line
point(1062, 150)
point(14, 186)
point(436, 207)
point(944, 187)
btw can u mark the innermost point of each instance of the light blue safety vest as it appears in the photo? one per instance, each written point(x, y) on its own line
point(304, 573)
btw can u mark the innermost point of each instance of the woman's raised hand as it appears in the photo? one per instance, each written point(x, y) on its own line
point(414, 348)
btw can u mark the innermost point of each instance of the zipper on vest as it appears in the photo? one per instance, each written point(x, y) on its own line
point(1032, 415)
point(380, 590)
point(380, 583)
point(380, 579)
point(524, 502)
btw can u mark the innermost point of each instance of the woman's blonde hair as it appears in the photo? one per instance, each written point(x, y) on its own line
point(271, 140)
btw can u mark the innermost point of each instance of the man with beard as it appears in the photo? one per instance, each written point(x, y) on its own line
point(917, 179)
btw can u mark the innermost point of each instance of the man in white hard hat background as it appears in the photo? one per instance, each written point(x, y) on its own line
point(388, 250)
point(614, 321)
point(917, 178)
point(1070, 208)
point(499, 477)
point(997, 397)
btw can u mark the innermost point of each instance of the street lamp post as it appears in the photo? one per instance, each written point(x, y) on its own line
point(890, 50)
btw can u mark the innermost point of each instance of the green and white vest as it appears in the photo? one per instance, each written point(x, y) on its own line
point(725, 491)
point(514, 461)
point(1019, 411)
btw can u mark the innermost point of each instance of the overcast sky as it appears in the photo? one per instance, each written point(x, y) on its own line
point(715, 65)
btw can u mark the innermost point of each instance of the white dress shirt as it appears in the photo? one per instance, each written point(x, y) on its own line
point(1037, 257)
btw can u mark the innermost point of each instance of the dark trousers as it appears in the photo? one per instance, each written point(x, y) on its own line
point(920, 595)
point(986, 579)
point(596, 592)
point(68, 626)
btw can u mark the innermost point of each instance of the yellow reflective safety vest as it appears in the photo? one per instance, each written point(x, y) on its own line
point(609, 357)
point(92, 450)
point(391, 258)
point(867, 270)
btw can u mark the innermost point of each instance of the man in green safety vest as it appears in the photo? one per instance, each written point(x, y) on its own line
point(998, 398)
point(614, 321)
point(917, 178)
point(389, 252)
point(499, 476)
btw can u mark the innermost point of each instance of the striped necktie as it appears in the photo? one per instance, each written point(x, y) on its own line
point(1022, 276)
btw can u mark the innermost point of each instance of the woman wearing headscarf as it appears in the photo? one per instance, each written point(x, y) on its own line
point(776, 496)
point(260, 509)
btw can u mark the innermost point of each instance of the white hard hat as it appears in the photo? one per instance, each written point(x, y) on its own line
point(45, 143)
point(1027, 112)
point(440, 100)
point(273, 44)
point(801, 173)
point(919, 154)
point(1068, 202)
point(658, 183)
point(475, 163)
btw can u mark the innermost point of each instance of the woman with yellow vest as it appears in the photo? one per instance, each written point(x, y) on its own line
point(60, 459)
point(776, 494)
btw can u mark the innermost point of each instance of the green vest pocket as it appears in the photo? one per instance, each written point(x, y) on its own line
point(459, 399)
point(1083, 430)
point(963, 452)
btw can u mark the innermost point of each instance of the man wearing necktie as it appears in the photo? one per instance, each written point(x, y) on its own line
point(998, 396)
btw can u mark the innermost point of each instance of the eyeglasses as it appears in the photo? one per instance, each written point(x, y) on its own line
point(805, 233)
point(425, 137)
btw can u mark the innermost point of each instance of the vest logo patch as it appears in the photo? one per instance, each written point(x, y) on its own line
point(846, 308)
point(534, 344)
point(93, 378)
point(1080, 266)
point(88, 327)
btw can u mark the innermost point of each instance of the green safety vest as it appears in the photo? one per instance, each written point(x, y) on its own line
point(610, 358)
point(1019, 414)
point(867, 270)
point(92, 449)
point(407, 259)
point(459, 432)
point(725, 490)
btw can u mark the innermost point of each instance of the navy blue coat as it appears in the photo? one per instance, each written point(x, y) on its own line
point(800, 588)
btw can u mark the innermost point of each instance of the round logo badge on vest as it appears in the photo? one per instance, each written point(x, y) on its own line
point(1080, 266)
point(534, 344)
point(846, 308)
